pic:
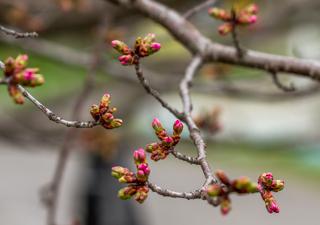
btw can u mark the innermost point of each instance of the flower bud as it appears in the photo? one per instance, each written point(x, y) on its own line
point(143, 172)
point(177, 127)
point(118, 171)
point(121, 47)
point(95, 112)
point(246, 19)
point(105, 101)
point(266, 179)
point(16, 94)
point(127, 60)
point(222, 176)
point(220, 14)
point(167, 141)
point(149, 38)
point(157, 126)
point(251, 9)
point(127, 192)
point(152, 147)
point(225, 206)
point(271, 204)
point(142, 194)
point(214, 190)
point(115, 123)
point(225, 29)
point(21, 62)
point(9, 67)
point(277, 185)
point(107, 117)
point(139, 156)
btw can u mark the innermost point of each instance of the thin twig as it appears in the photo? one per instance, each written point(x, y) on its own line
point(155, 93)
point(53, 117)
point(16, 34)
point(234, 33)
point(185, 158)
point(191, 12)
point(280, 85)
point(173, 194)
point(187, 108)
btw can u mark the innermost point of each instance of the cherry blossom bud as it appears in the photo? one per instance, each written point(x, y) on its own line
point(222, 176)
point(225, 206)
point(105, 101)
point(118, 171)
point(16, 94)
point(252, 9)
point(95, 112)
point(152, 147)
point(142, 194)
point(128, 178)
point(225, 28)
point(271, 204)
point(157, 126)
point(149, 38)
point(277, 185)
point(127, 60)
point(244, 185)
point(247, 19)
point(107, 117)
point(214, 190)
point(155, 47)
point(127, 192)
point(115, 123)
point(220, 14)
point(168, 141)
point(9, 67)
point(121, 47)
point(139, 156)
point(177, 127)
point(266, 179)
point(143, 172)
point(21, 62)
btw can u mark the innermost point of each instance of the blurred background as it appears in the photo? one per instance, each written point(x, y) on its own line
point(250, 125)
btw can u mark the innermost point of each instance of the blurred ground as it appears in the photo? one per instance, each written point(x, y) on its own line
point(24, 172)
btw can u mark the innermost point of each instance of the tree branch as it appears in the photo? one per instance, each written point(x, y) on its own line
point(196, 43)
point(154, 93)
point(16, 34)
point(191, 12)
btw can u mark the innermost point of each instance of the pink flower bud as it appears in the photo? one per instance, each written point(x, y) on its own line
point(139, 156)
point(168, 141)
point(121, 47)
point(177, 127)
point(225, 206)
point(156, 124)
point(220, 14)
point(155, 46)
point(225, 29)
point(126, 60)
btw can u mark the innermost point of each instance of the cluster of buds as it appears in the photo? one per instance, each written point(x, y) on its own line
point(221, 192)
point(137, 182)
point(244, 17)
point(17, 73)
point(209, 120)
point(267, 185)
point(143, 47)
point(160, 150)
point(103, 113)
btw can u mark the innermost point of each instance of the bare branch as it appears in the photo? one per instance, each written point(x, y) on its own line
point(154, 93)
point(185, 158)
point(187, 108)
point(281, 86)
point(16, 34)
point(191, 12)
point(196, 43)
point(173, 194)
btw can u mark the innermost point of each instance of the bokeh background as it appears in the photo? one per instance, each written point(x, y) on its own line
point(254, 127)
